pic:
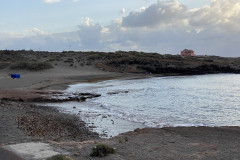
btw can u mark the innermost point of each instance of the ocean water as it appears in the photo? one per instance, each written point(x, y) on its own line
point(203, 100)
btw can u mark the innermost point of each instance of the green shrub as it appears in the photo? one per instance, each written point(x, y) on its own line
point(59, 157)
point(32, 66)
point(94, 57)
point(101, 150)
point(19, 65)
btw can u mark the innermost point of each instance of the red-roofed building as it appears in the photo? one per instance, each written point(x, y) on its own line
point(187, 52)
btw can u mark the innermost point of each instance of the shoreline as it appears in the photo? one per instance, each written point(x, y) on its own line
point(147, 143)
point(106, 124)
point(40, 96)
point(118, 76)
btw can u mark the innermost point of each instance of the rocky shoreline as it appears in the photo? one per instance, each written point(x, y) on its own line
point(44, 96)
point(23, 121)
point(27, 122)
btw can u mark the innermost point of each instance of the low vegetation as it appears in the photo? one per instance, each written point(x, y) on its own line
point(32, 66)
point(95, 57)
point(101, 150)
point(121, 61)
point(3, 65)
point(59, 157)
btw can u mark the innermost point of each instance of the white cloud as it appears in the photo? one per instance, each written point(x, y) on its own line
point(91, 35)
point(164, 27)
point(87, 22)
point(159, 14)
point(142, 9)
point(123, 11)
point(36, 39)
point(75, 1)
point(51, 1)
point(105, 30)
point(37, 31)
point(221, 14)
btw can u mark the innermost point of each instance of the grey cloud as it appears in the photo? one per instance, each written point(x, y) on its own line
point(157, 14)
point(202, 30)
point(223, 15)
point(38, 41)
point(90, 37)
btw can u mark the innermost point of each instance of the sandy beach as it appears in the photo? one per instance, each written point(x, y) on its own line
point(56, 78)
point(23, 121)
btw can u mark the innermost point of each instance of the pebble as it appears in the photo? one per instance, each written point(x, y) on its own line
point(104, 116)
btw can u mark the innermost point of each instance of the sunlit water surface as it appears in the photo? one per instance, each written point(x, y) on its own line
point(205, 100)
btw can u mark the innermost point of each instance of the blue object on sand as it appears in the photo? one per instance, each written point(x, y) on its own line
point(13, 76)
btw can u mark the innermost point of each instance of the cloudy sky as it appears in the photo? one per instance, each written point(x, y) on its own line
point(210, 27)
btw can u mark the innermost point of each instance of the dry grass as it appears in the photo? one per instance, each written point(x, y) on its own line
point(32, 66)
point(3, 65)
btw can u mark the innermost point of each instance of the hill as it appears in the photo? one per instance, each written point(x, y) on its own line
point(121, 61)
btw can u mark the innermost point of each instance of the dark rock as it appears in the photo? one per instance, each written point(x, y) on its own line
point(104, 116)
point(83, 98)
point(137, 130)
